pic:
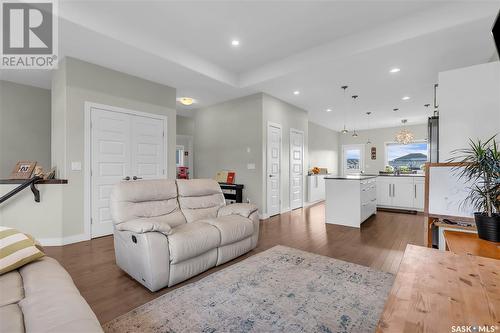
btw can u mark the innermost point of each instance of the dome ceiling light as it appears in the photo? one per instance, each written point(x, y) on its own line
point(186, 100)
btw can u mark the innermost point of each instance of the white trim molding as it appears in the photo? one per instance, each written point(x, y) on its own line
point(63, 240)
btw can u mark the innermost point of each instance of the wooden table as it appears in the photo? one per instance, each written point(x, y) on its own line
point(466, 243)
point(435, 290)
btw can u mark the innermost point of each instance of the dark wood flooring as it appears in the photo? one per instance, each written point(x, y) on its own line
point(379, 243)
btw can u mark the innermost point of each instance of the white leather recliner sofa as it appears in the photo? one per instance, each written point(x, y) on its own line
point(41, 297)
point(167, 231)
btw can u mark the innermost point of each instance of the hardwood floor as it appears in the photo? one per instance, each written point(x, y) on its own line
point(379, 243)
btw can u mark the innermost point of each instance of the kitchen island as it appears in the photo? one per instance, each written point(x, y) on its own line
point(350, 200)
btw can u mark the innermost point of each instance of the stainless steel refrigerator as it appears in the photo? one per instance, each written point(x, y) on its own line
point(433, 139)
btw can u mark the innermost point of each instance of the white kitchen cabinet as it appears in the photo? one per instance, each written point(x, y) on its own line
point(384, 190)
point(419, 190)
point(315, 188)
point(400, 192)
point(350, 200)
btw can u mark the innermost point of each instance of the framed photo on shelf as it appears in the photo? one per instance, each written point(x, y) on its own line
point(23, 170)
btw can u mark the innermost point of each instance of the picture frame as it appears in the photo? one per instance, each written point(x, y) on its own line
point(23, 170)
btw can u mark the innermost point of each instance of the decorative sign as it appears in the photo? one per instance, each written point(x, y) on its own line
point(23, 170)
point(374, 153)
point(225, 176)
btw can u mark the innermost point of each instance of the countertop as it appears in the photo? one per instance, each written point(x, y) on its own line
point(353, 177)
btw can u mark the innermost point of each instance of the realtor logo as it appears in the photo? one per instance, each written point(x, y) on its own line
point(29, 34)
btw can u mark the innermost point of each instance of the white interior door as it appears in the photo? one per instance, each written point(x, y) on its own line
point(296, 168)
point(273, 169)
point(148, 150)
point(123, 147)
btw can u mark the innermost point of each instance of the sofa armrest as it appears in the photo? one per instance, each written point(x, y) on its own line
point(242, 209)
point(141, 226)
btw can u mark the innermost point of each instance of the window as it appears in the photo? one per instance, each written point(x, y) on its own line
point(353, 158)
point(410, 156)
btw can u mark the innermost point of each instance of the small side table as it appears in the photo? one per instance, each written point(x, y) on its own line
point(467, 243)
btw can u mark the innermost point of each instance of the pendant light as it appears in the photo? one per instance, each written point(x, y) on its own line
point(404, 136)
point(368, 142)
point(354, 134)
point(344, 130)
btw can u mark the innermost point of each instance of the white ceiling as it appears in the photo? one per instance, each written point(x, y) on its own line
point(311, 46)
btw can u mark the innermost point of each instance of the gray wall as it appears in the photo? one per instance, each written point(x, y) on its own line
point(323, 148)
point(288, 116)
point(24, 126)
point(379, 137)
point(228, 137)
point(76, 82)
point(185, 125)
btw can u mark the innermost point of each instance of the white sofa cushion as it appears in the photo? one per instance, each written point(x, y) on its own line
point(242, 209)
point(232, 228)
point(155, 199)
point(200, 198)
point(141, 226)
point(51, 302)
point(192, 239)
point(11, 288)
point(11, 319)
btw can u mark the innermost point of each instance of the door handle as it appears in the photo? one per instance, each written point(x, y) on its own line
point(393, 190)
point(415, 188)
point(126, 178)
point(271, 176)
point(135, 178)
point(390, 190)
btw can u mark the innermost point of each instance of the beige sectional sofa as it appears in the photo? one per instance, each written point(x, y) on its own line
point(41, 297)
point(167, 231)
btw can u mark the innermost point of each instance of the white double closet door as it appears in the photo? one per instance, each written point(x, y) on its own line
point(124, 147)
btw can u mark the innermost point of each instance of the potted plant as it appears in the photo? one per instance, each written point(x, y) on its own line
point(480, 166)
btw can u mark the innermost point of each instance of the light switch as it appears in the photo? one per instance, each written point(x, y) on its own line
point(76, 166)
point(251, 166)
point(249, 150)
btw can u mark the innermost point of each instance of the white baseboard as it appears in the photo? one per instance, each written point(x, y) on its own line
point(307, 204)
point(285, 210)
point(59, 241)
point(263, 216)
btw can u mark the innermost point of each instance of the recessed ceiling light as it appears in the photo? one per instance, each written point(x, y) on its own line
point(235, 42)
point(394, 70)
point(405, 98)
point(328, 110)
point(296, 92)
point(185, 100)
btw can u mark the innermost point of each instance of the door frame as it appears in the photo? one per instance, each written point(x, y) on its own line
point(87, 154)
point(276, 125)
point(362, 156)
point(294, 130)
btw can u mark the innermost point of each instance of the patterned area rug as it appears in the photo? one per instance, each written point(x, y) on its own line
point(279, 290)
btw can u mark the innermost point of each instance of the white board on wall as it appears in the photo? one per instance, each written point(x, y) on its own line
point(447, 192)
